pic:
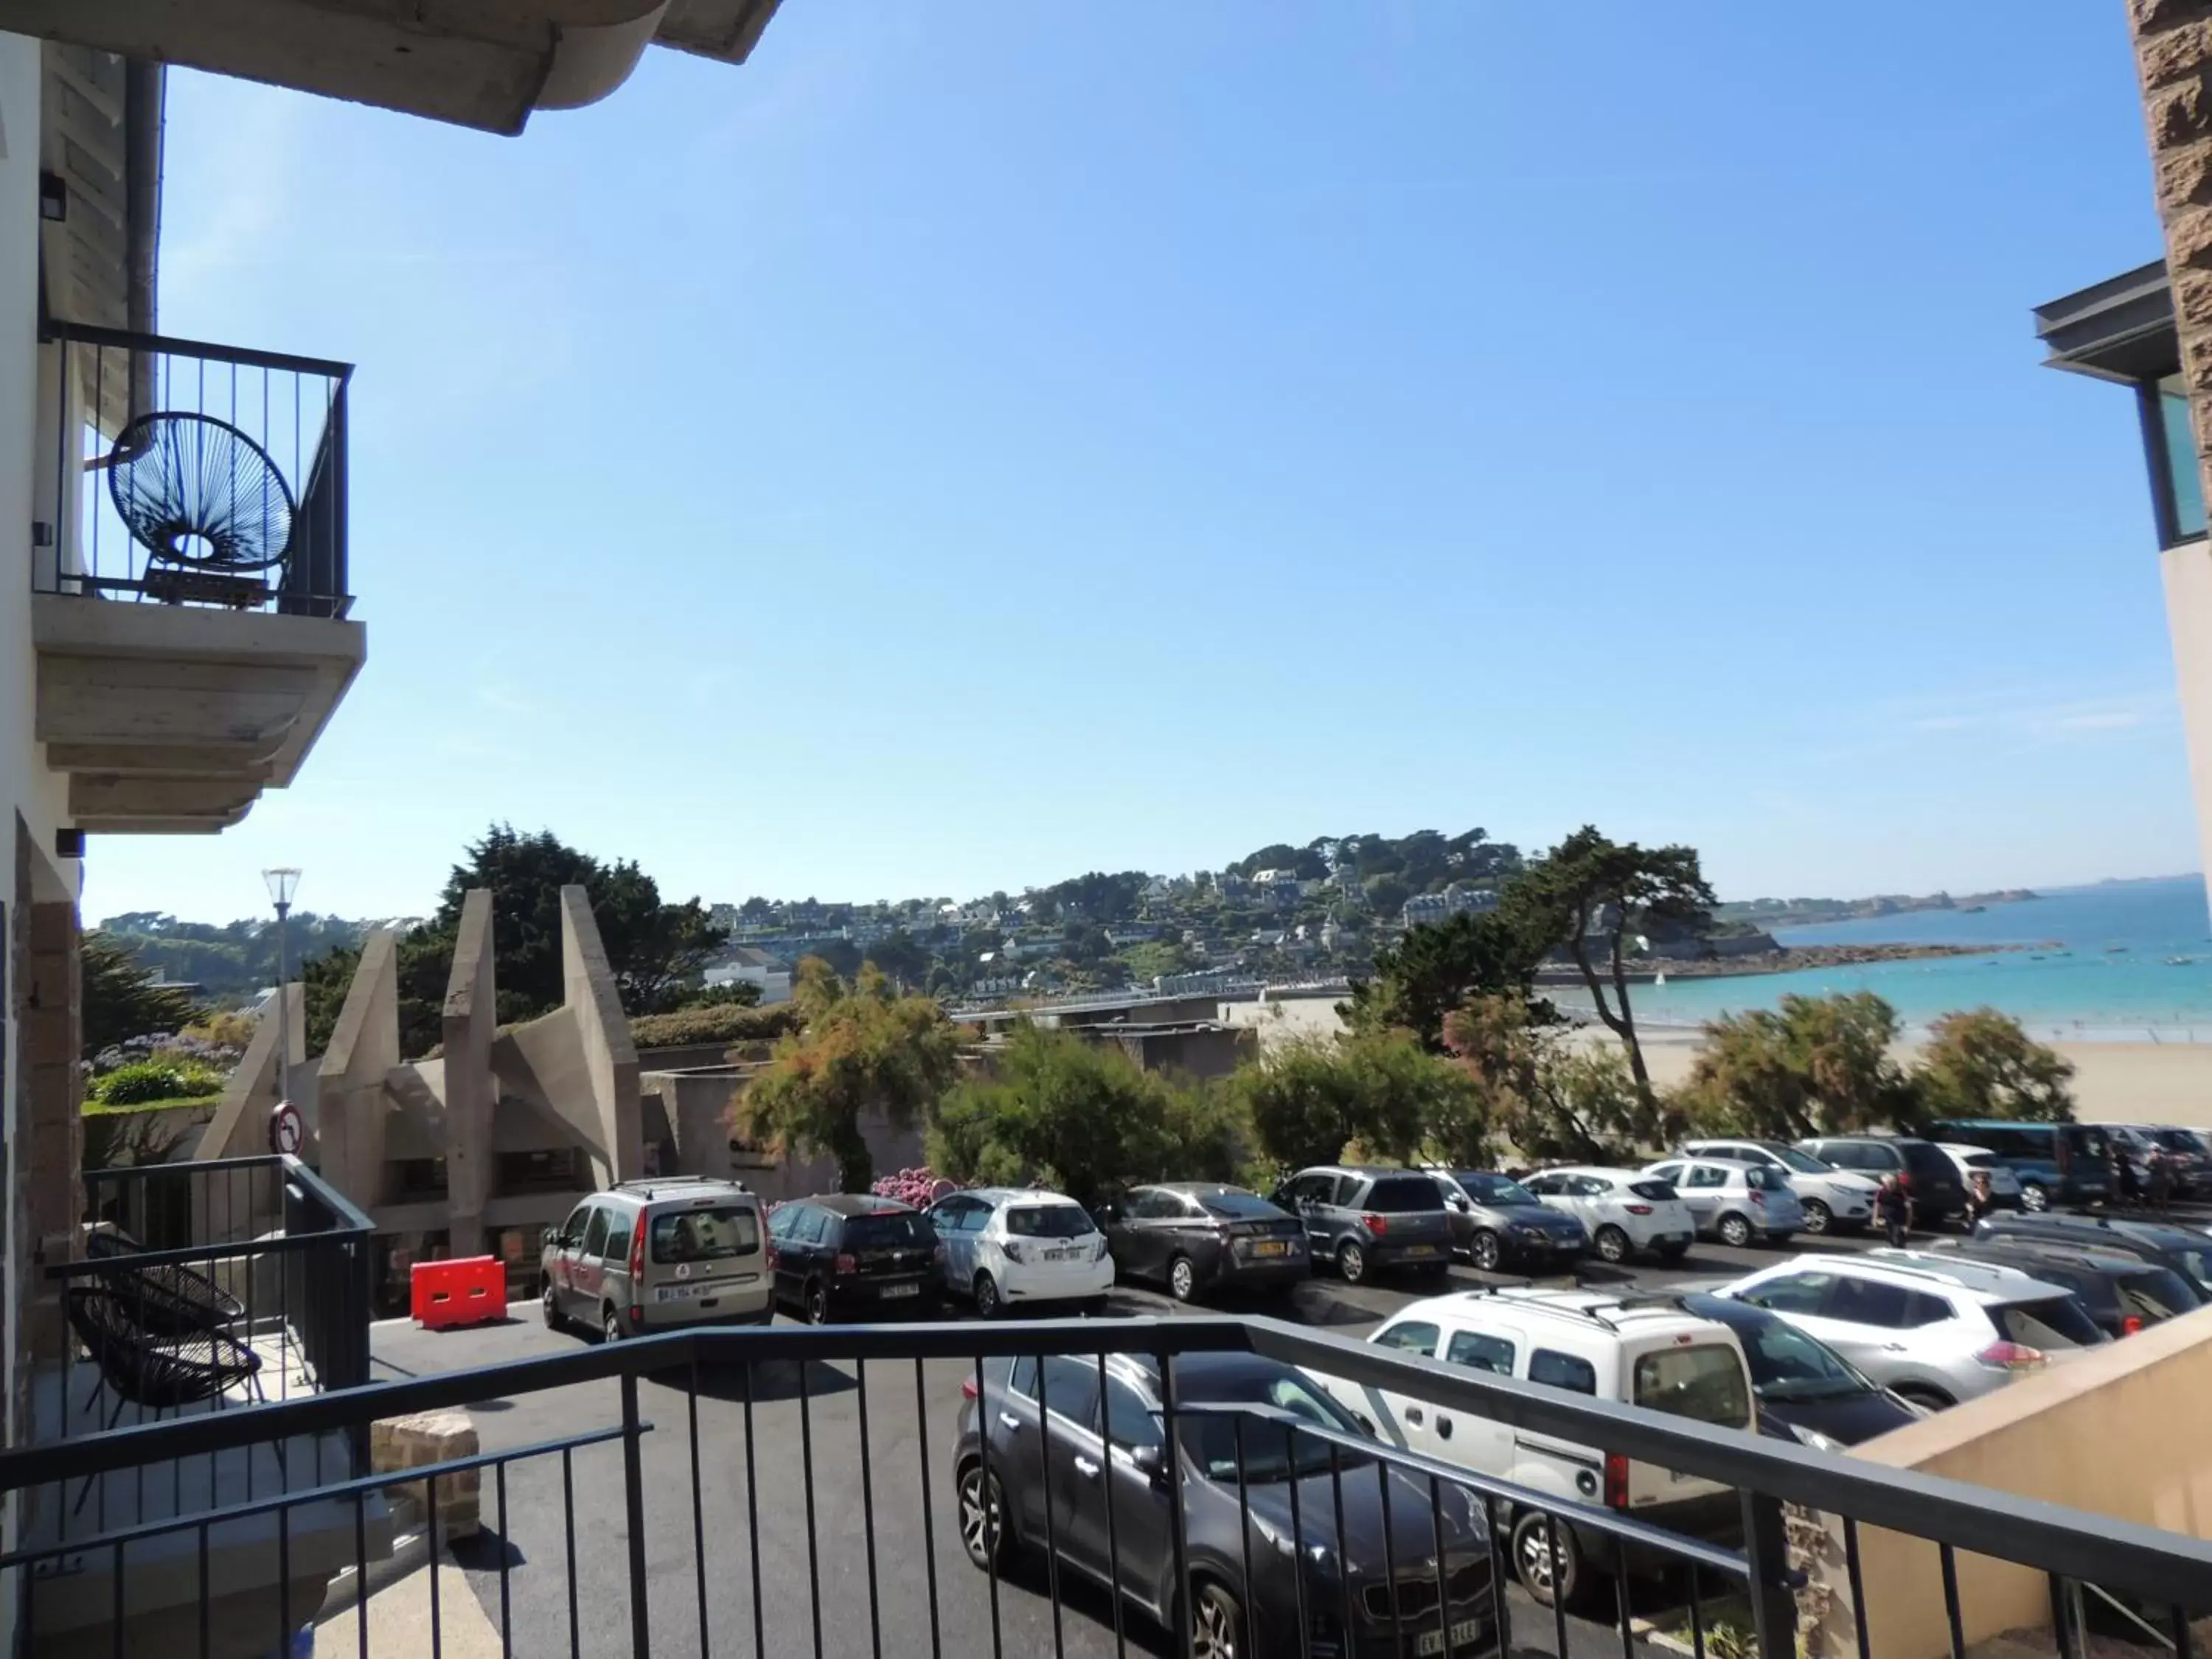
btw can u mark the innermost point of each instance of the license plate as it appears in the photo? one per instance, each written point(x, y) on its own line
point(682, 1292)
point(902, 1290)
point(1059, 1255)
point(1270, 1247)
point(1464, 1634)
point(1421, 1249)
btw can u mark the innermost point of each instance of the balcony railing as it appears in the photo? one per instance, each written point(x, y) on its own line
point(179, 472)
point(766, 1535)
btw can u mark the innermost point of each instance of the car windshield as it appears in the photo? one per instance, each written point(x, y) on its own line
point(2088, 1142)
point(1653, 1189)
point(1210, 1439)
point(2156, 1294)
point(1703, 1381)
point(890, 1231)
point(1048, 1221)
point(1925, 1162)
point(2056, 1323)
point(1766, 1178)
point(1788, 1364)
point(1234, 1205)
point(1400, 1195)
point(1803, 1163)
point(2178, 1141)
point(705, 1235)
point(1494, 1188)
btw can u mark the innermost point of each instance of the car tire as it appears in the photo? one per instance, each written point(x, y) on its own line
point(1182, 1279)
point(1920, 1393)
point(1545, 1572)
point(1351, 1261)
point(610, 1328)
point(1216, 1623)
point(1487, 1250)
point(988, 1303)
point(984, 1534)
point(2034, 1197)
point(816, 1302)
point(555, 1319)
point(1734, 1231)
point(1819, 1219)
point(1610, 1245)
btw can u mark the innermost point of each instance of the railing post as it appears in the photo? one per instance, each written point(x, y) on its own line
point(640, 1624)
point(1767, 1554)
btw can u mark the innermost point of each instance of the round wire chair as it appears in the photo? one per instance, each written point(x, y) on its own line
point(195, 491)
point(171, 1300)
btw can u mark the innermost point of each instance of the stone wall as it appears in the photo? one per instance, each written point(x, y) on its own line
point(2174, 57)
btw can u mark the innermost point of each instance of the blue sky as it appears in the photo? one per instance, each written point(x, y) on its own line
point(973, 444)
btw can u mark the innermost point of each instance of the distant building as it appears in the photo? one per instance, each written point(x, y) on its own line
point(754, 967)
point(1455, 900)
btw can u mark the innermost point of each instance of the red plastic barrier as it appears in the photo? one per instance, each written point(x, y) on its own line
point(464, 1291)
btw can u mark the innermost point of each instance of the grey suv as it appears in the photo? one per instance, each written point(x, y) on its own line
point(1495, 1220)
point(649, 1255)
point(1359, 1218)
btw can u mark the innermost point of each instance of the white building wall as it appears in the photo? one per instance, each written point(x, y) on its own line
point(2187, 570)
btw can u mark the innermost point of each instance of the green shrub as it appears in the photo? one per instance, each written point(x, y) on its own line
point(727, 1024)
point(150, 1080)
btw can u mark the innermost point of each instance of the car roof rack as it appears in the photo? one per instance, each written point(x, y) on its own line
point(644, 1185)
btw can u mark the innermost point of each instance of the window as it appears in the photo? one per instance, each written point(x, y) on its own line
point(2156, 1294)
point(810, 1226)
point(1708, 1176)
point(1212, 1440)
point(1542, 1185)
point(1766, 1178)
point(573, 1228)
point(1654, 1189)
point(619, 1230)
point(1048, 1221)
point(1494, 1188)
point(1071, 1389)
point(705, 1235)
point(2054, 1324)
point(1704, 1382)
point(1870, 1302)
point(1130, 1422)
point(1588, 1186)
point(1151, 1203)
point(1413, 1336)
point(1402, 1196)
point(595, 1232)
point(1562, 1371)
point(2178, 451)
point(1797, 1293)
point(889, 1230)
point(1480, 1352)
point(1803, 1163)
point(1670, 1173)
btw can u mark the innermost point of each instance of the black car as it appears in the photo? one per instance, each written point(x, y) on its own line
point(2121, 1292)
point(1931, 1180)
point(1107, 1448)
point(1495, 1220)
point(847, 1255)
point(2183, 1249)
point(1802, 1384)
point(1199, 1235)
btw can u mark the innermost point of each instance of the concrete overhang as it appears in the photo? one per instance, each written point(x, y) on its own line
point(174, 719)
point(2122, 329)
point(484, 64)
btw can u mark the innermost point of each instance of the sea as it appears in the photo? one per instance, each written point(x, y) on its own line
point(2120, 962)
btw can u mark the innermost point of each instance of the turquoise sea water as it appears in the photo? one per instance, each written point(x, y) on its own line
point(2098, 967)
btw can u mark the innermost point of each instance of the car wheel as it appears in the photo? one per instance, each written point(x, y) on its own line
point(1487, 1250)
point(1734, 1231)
point(1611, 1244)
point(1672, 1252)
point(555, 1320)
point(1548, 1567)
point(1182, 1279)
point(1818, 1217)
point(818, 1303)
point(609, 1324)
point(1351, 1261)
point(1920, 1393)
point(984, 1532)
point(987, 1303)
point(1216, 1623)
point(2034, 1197)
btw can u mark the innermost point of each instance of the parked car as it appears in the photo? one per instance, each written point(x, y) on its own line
point(2186, 1251)
point(1934, 1330)
point(2185, 1157)
point(1623, 1211)
point(650, 1256)
point(1496, 1220)
point(1930, 1176)
point(1833, 1199)
point(1192, 1236)
point(2004, 1185)
point(841, 1256)
point(1804, 1388)
point(1737, 1203)
point(1098, 1454)
point(2180, 1151)
point(2123, 1293)
point(1008, 1247)
point(1359, 1218)
point(1648, 1354)
point(2055, 1162)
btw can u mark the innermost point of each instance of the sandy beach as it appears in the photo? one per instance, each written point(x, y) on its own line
point(2113, 1082)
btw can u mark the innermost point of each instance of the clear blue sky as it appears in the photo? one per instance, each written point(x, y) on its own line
point(970, 445)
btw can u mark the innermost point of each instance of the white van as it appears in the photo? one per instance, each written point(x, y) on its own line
point(1645, 1353)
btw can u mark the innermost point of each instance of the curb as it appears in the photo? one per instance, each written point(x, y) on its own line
point(410, 1552)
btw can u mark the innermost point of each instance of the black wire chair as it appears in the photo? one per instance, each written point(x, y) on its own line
point(162, 1300)
point(207, 504)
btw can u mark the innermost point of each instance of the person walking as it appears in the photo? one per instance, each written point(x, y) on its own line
point(2126, 1186)
point(1894, 1206)
point(1979, 1201)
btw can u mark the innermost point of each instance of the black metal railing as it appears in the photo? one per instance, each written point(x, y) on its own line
point(180, 472)
point(800, 1507)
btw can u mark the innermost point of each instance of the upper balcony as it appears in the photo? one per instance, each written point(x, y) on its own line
point(191, 594)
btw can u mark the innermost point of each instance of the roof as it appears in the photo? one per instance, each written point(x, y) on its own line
point(1982, 1278)
point(1192, 1186)
point(2120, 329)
point(1608, 1309)
point(1027, 1194)
point(858, 1204)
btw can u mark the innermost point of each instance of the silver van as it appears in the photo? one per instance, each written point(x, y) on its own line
point(651, 1255)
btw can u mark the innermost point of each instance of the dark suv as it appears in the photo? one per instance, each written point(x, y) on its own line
point(2056, 1163)
point(2183, 1249)
point(2123, 1292)
point(1359, 1218)
point(1932, 1180)
point(846, 1255)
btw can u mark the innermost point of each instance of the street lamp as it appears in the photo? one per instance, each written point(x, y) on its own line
point(284, 882)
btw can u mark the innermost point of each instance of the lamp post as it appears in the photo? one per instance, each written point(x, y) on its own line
point(284, 882)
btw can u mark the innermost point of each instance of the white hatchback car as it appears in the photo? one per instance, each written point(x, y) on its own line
point(1623, 1211)
point(1833, 1199)
point(1005, 1246)
point(1735, 1202)
point(2004, 1181)
point(1635, 1352)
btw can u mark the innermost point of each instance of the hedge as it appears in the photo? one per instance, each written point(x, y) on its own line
point(149, 1080)
point(727, 1024)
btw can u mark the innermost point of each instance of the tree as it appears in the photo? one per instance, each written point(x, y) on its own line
point(1435, 969)
point(1385, 894)
point(865, 1051)
point(756, 909)
point(1082, 1117)
point(1589, 888)
point(1308, 1100)
point(900, 956)
point(1550, 1095)
point(1813, 1066)
point(1981, 1063)
point(424, 962)
point(119, 999)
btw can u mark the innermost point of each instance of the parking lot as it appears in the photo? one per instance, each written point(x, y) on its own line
point(911, 1419)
